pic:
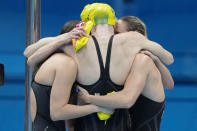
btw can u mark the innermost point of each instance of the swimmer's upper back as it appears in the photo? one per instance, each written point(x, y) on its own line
point(49, 67)
point(121, 59)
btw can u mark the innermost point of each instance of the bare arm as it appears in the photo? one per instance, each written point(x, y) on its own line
point(132, 89)
point(60, 93)
point(166, 76)
point(138, 41)
point(165, 56)
point(34, 47)
point(167, 79)
point(45, 51)
point(46, 46)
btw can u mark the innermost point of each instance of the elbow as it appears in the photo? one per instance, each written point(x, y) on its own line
point(128, 103)
point(58, 113)
point(170, 85)
point(54, 114)
point(26, 52)
point(171, 59)
point(30, 62)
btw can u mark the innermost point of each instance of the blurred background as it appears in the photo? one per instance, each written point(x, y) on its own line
point(172, 23)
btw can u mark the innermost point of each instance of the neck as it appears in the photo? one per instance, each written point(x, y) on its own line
point(103, 30)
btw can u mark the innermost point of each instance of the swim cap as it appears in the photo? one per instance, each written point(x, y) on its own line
point(93, 14)
point(98, 13)
point(86, 11)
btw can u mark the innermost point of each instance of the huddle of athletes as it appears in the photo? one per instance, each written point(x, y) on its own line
point(114, 83)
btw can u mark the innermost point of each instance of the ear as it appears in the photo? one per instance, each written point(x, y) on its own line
point(1, 74)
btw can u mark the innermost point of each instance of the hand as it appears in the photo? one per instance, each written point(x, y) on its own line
point(105, 110)
point(83, 95)
point(78, 32)
point(153, 57)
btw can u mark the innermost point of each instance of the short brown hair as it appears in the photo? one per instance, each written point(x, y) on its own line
point(69, 26)
point(134, 24)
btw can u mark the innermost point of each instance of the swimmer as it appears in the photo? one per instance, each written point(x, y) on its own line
point(109, 75)
point(50, 95)
point(143, 94)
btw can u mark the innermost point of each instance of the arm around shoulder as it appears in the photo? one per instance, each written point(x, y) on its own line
point(136, 79)
point(132, 89)
point(141, 42)
point(165, 56)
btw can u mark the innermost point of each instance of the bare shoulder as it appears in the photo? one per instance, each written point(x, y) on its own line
point(131, 38)
point(61, 60)
point(57, 60)
point(130, 35)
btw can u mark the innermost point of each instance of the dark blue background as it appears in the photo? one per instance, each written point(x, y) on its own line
point(172, 23)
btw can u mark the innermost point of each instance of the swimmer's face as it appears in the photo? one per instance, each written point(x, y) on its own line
point(121, 26)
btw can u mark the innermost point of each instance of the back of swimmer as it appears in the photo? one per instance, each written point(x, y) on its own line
point(94, 63)
point(119, 58)
point(147, 111)
point(52, 87)
point(42, 87)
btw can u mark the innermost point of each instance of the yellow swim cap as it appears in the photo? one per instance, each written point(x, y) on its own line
point(86, 11)
point(98, 13)
point(93, 14)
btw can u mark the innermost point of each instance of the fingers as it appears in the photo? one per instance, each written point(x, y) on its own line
point(146, 53)
point(75, 36)
point(81, 28)
point(82, 90)
point(80, 31)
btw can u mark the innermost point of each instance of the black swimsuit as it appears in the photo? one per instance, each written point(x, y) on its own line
point(120, 119)
point(42, 121)
point(146, 114)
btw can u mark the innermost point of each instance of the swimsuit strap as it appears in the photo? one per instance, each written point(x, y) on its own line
point(108, 57)
point(104, 70)
point(99, 56)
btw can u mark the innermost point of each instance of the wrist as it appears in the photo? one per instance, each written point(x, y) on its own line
point(88, 98)
point(63, 37)
point(95, 108)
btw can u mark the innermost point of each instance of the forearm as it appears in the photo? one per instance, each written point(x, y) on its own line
point(115, 100)
point(165, 56)
point(34, 47)
point(45, 51)
point(133, 86)
point(167, 79)
point(73, 111)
